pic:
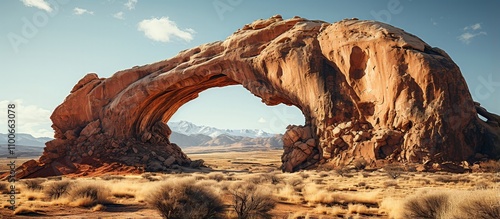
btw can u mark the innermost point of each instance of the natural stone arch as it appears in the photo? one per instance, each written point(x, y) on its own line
point(401, 101)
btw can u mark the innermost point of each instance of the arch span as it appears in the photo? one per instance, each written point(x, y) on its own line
point(367, 90)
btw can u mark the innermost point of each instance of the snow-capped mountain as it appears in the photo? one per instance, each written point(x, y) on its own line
point(26, 145)
point(188, 128)
point(25, 139)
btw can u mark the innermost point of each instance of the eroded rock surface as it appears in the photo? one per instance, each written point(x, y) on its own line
point(366, 89)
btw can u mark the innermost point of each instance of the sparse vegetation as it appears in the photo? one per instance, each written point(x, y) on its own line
point(216, 176)
point(492, 166)
point(149, 176)
point(484, 207)
point(360, 164)
point(4, 187)
point(27, 211)
point(305, 194)
point(431, 206)
point(453, 204)
point(56, 190)
point(394, 170)
point(113, 177)
point(88, 195)
point(185, 200)
point(250, 202)
point(34, 184)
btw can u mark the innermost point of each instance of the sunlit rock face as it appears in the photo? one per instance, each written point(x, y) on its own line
point(366, 89)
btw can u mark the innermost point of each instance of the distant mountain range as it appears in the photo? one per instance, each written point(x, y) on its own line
point(188, 128)
point(185, 134)
point(25, 139)
point(26, 145)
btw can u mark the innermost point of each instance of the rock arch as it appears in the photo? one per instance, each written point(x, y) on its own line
point(366, 89)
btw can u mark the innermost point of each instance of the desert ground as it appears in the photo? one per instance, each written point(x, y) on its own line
point(351, 192)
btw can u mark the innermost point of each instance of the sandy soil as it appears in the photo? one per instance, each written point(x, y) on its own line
point(326, 193)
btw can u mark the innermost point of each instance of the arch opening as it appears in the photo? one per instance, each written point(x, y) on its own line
point(157, 111)
point(228, 127)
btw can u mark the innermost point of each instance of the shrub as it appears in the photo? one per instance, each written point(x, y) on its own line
point(216, 176)
point(112, 177)
point(34, 184)
point(304, 175)
point(428, 206)
point(88, 195)
point(491, 166)
point(393, 170)
point(360, 164)
point(57, 189)
point(149, 176)
point(267, 178)
point(4, 188)
point(27, 211)
point(185, 200)
point(250, 202)
point(296, 182)
point(323, 174)
point(451, 179)
point(482, 206)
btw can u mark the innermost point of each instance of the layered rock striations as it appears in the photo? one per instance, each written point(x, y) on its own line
point(366, 89)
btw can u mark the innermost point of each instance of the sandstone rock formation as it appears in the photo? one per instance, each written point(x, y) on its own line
point(366, 89)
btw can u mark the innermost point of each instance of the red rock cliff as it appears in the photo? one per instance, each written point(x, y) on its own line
point(366, 89)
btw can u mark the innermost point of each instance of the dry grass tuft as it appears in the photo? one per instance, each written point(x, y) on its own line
point(480, 205)
point(434, 205)
point(125, 189)
point(360, 164)
point(452, 204)
point(28, 211)
point(394, 170)
point(57, 189)
point(99, 207)
point(149, 176)
point(492, 166)
point(4, 188)
point(216, 176)
point(361, 209)
point(88, 195)
point(452, 179)
point(112, 177)
point(250, 201)
point(390, 183)
point(287, 193)
point(268, 178)
point(185, 199)
point(34, 184)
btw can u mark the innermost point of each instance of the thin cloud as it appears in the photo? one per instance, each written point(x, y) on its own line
point(467, 37)
point(41, 4)
point(81, 11)
point(471, 32)
point(262, 120)
point(435, 23)
point(163, 30)
point(476, 26)
point(130, 4)
point(30, 119)
point(119, 15)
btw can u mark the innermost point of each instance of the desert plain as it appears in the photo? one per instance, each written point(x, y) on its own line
point(351, 192)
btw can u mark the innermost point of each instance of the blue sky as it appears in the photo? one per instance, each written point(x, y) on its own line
point(46, 46)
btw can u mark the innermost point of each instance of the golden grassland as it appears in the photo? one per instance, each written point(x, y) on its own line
point(341, 193)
